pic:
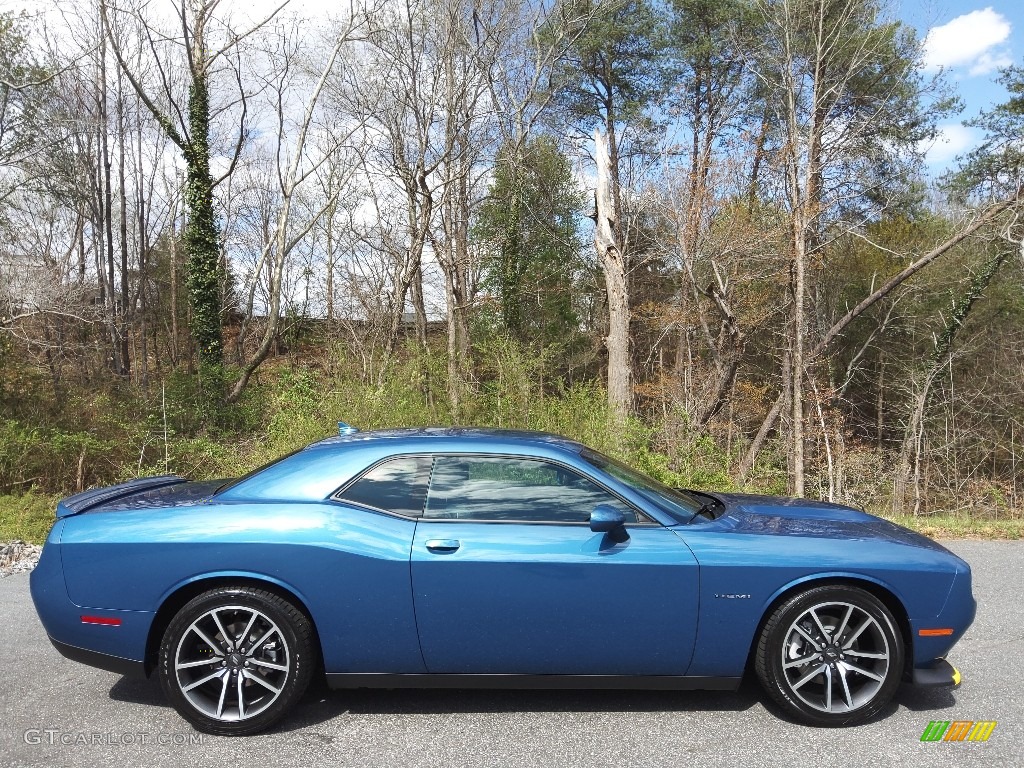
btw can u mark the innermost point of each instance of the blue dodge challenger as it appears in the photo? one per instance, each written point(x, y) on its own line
point(457, 557)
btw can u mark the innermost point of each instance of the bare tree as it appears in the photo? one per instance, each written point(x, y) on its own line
point(844, 89)
point(963, 232)
point(297, 160)
point(392, 86)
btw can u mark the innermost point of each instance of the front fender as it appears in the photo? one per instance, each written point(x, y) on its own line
point(743, 575)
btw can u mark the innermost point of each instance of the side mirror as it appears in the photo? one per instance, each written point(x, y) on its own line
point(605, 518)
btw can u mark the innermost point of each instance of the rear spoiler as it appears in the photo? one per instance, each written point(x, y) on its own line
point(81, 502)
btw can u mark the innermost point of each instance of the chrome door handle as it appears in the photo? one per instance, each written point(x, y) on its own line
point(443, 545)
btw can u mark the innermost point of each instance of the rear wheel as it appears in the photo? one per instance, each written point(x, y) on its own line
point(831, 656)
point(234, 660)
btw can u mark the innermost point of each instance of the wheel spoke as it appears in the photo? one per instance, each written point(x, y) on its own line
point(269, 665)
point(223, 632)
point(223, 693)
point(846, 686)
point(865, 672)
point(207, 640)
point(201, 680)
point(866, 654)
point(809, 676)
point(842, 625)
point(821, 627)
point(828, 689)
point(261, 641)
point(190, 664)
point(259, 679)
point(245, 632)
point(799, 662)
point(807, 637)
point(852, 638)
point(241, 698)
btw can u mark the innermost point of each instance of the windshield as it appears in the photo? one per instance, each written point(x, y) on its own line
point(679, 504)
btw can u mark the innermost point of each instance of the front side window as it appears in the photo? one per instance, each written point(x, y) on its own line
point(398, 485)
point(514, 490)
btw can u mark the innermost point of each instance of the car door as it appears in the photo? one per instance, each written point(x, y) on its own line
point(508, 578)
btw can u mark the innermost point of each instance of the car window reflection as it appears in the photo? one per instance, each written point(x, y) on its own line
point(398, 486)
point(679, 504)
point(524, 490)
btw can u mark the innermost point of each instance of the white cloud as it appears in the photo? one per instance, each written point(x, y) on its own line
point(990, 62)
point(976, 40)
point(953, 139)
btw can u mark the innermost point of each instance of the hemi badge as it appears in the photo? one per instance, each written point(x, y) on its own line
point(934, 632)
point(102, 621)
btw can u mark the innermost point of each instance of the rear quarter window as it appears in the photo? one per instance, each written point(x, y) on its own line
point(397, 485)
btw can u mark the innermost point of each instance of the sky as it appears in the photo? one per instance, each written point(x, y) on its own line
point(967, 40)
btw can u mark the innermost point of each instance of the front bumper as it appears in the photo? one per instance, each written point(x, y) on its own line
point(939, 673)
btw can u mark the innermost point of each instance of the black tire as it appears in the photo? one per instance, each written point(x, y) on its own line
point(813, 661)
point(234, 660)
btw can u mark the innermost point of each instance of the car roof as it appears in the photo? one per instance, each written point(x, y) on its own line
point(312, 473)
point(480, 436)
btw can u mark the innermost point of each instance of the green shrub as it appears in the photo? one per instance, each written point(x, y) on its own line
point(53, 459)
point(28, 517)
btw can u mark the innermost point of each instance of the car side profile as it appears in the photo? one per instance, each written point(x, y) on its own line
point(459, 557)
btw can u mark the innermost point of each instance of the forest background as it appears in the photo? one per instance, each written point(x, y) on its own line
point(699, 235)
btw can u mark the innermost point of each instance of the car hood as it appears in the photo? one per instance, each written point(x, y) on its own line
point(781, 516)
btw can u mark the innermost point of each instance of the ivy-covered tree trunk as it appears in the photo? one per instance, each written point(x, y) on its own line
point(201, 236)
point(908, 476)
point(191, 133)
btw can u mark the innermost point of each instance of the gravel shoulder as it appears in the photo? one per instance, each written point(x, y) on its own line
point(55, 712)
point(18, 557)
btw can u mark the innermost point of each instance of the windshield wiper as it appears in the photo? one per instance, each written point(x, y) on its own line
point(708, 509)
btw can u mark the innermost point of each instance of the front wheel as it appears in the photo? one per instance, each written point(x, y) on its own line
point(234, 660)
point(831, 656)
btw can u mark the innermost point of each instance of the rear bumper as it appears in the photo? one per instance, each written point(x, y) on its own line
point(118, 647)
point(101, 660)
point(938, 674)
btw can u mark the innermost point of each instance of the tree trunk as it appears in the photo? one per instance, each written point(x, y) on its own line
point(331, 262)
point(202, 236)
point(106, 204)
point(173, 257)
point(753, 188)
point(419, 307)
point(609, 251)
point(797, 329)
point(126, 302)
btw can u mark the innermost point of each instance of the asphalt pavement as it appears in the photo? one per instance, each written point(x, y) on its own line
point(56, 712)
